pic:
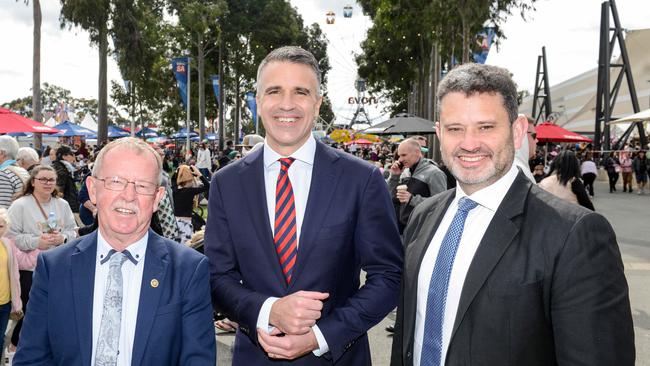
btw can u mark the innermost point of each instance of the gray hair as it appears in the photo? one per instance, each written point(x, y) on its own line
point(9, 146)
point(293, 54)
point(471, 79)
point(128, 143)
point(27, 154)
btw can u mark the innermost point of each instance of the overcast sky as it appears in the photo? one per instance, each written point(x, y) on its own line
point(568, 29)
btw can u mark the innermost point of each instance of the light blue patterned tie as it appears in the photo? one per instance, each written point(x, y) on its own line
point(109, 330)
point(437, 297)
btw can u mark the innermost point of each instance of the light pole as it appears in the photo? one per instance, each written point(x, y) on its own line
point(187, 120)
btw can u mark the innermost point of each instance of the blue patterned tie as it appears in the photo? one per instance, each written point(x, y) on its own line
point(437, 297)
point(109, 330)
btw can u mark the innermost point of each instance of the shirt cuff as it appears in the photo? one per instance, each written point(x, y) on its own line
point(323, 348)
point(265, 314)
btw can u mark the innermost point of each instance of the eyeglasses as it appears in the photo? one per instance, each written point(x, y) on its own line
point(119, 184)
point(46, 180)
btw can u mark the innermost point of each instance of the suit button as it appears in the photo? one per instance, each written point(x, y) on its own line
point(408, 354)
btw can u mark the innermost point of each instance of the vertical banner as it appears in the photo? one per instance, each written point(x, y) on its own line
point(215, 86)
point(180, 67)
point(484, 40)
point(252, 106)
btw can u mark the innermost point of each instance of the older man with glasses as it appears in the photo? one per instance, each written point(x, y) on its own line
point(122, 295)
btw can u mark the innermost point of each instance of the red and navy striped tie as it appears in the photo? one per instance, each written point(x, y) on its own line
point(285, 239)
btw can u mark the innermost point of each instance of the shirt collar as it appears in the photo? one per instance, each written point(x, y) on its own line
point(305, 153)
point(136, 249)
point(491, 196)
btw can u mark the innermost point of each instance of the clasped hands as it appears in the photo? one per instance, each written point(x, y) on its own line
point(293, 317)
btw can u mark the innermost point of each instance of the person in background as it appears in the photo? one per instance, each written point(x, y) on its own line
point(65, 169)
point(564, 180)
point(421, 177)
point(10, 302)
point(613, 168)
point(641, 167)
point(40, 221)
point(185, 191)
point(12, 176)
point(589, 172)
point(204, 160)
point(27, 158)
point(527, 151)
point(626, 170)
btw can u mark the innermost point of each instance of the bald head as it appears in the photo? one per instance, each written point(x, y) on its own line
point(409, 152)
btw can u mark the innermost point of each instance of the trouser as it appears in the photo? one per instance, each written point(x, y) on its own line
point(5, 310)
point(589, 179)
point(613, 178)
point(25, 286)
point(627, 181)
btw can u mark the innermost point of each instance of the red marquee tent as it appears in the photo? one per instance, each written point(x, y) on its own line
point(549, 132)
point(13, 122)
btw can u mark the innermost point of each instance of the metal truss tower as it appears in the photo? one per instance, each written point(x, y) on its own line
point(606, 97)
point(542, 96)
point(360, 86)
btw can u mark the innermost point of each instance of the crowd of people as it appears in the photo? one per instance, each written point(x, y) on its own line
point(483, 264)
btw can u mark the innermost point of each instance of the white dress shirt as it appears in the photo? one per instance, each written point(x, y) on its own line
point(300, 176)
point(131, 283)
point(478, 220)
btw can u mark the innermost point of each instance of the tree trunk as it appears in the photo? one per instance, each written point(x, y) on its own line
point(102, 99)
point(222, 130)
point(465, 35)
point(36, 72)
point(201, 61)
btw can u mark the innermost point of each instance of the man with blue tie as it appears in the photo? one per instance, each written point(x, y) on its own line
point(498, 271)
point(121, 295)
point(291, 226)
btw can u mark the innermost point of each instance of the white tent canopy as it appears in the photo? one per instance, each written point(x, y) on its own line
point(51, 122)
point(89, 122)
point(643, 116)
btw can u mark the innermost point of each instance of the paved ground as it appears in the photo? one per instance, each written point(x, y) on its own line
point(628, 213)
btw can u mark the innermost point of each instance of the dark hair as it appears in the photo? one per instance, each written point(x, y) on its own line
point(28, 188)
point(471, 79)
point(62, 151)
point(293, 54)
point(566, 166)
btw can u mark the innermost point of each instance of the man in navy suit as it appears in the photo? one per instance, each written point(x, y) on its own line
point(291, 226)
point(121, 295)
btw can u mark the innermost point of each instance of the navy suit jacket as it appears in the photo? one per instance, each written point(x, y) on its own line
point(174, 319)
point(349, 225)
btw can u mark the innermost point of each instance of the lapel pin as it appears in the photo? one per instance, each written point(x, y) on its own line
point(154, 283)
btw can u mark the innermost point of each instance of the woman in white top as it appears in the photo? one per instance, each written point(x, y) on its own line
point(40, 220)
point(589, 172)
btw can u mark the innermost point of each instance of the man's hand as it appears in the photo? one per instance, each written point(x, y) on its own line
point(396, 168)
point(298, 312)
point(287, 346)
point(403, 196)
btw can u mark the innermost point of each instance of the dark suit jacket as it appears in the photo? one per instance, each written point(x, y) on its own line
point(174, 319)
point(349, 224)
point(545, 287)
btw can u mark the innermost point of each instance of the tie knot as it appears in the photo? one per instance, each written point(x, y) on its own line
point(466, 205)
point(285, 163)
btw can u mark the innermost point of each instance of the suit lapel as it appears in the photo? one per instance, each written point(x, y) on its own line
point(155, 268)
point(498, 237)
point(82, 271)
point(322, 188)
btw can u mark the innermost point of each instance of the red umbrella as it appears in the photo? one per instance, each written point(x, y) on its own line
point(549, 132)
point(12, 122)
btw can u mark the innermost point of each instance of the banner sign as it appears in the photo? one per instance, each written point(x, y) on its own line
point(180, 67)
point(215, 86)
point(484, 40)
point(252, 105)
